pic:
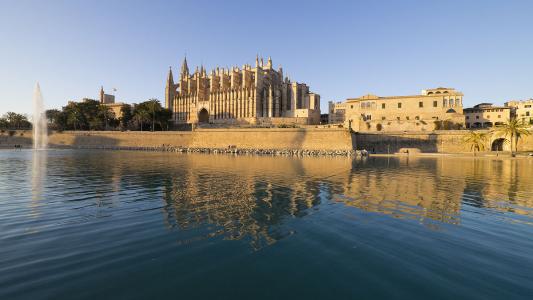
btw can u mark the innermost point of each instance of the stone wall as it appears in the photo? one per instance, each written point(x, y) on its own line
point(120, 139)
point(261, 138)
point(10, 138)
point(429, 142)
point(274, 138)
point(446, 141)
point(251, 138)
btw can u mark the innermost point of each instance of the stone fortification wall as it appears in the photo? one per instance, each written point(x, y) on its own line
point(446, 141)
point(274, 138)
point(262, 138)
point(10, 138)
point(119, 139)
point(251, 138)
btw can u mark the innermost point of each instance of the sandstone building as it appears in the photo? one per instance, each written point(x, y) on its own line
point(523, 109)
point(336, 112)
point(440, 108)
point(485, 115)
point(109, 101)
point(249, 95)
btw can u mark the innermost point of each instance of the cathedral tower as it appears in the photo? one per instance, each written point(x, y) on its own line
point(170, 90)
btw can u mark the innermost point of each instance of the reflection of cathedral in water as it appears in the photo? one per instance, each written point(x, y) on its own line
point(253, 198)
point(237, 204)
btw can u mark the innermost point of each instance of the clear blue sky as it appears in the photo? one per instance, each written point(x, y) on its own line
point(340, 48)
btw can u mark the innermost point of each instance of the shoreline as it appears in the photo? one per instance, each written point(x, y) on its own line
point(234, 151)
point(285, 152)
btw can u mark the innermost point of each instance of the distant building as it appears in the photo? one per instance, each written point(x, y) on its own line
point(440, 108)
point(486, 115)
point(336, 112)
point(250, 95)
point(109, 101)
point(523, 109)
point(106, 98)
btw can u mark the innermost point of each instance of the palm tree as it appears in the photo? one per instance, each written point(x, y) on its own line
point(512, 131)
point(153, 104)
point(74, 117)
point(476, 140)
point(105, 113)
point(141, 116)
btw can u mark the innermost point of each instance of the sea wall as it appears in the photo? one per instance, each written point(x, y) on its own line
point(110, 139)
point(445, 141)
point(10, 138)
point(274, 138)
point(261, 138)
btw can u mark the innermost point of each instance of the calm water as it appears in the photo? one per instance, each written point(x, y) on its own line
point(127, 225)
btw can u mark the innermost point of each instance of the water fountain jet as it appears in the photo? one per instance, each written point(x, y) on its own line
point(40, 130)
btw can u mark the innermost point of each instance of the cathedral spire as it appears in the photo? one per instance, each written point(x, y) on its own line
point(170, 78)
point(257, 60)
point(269, 63)
point(184, 67)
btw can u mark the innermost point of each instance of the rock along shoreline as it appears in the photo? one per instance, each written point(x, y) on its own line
point(231, 150)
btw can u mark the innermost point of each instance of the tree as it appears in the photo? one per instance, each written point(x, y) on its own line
point(141, 116)
point(4, 124)
point(17, 121)
point(105, 115)
point(153, 104)
point(74, 117)
point(57, 119)
point(152, 111)
point(125, 115)
point(476, 140)
point(513, 130)
point(163, 118)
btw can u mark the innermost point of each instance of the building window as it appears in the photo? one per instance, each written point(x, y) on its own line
point(368, 117)
point(398, 118)
point(499, 116)
point(435, 104)
point(399, 105)
point(488, 116)
point(527, 113)
point(477, 117)
point(383, 105)
point(420, 104)
point(383, 118)
point(407, 118)
point(417, 118)
point(467, 117)
point(527, 106)
point(351, 106)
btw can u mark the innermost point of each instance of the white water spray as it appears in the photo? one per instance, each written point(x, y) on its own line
point(40, 130)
